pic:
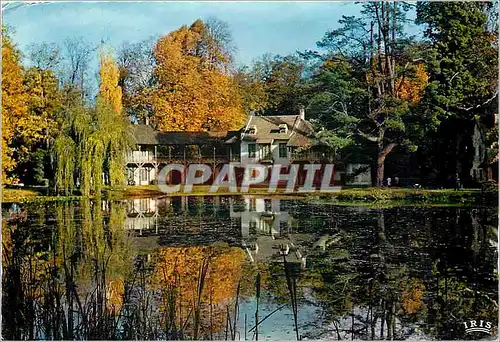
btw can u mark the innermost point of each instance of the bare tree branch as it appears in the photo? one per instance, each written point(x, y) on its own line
point(467, 109)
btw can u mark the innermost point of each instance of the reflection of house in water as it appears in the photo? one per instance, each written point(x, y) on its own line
point(142, 214)
point(263, 230)
point(266, 230)
point(182, 220)
point(261, 216)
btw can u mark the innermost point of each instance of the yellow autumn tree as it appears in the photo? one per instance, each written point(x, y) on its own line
point(412, 296)
point(193, 93)
point(112, 122)
point(13, 102)
point(109, 77)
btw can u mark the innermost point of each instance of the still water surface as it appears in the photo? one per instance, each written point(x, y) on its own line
point(211, 267)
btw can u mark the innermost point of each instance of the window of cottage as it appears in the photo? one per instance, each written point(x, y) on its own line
point(283, 152)
point(252, 150)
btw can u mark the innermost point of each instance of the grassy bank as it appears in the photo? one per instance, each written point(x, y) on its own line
point(31, 195)
point(198, 190)
point(359, 195)
point(378, 196)
point(439, 196)
point(401, 196)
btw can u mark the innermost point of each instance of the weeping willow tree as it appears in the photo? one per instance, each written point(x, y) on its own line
point(70, 144)
point(91, 146)
point(98, 262)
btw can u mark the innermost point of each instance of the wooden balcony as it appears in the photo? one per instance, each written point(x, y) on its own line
point(267, 158)
point(140, 157)
point(148, 157)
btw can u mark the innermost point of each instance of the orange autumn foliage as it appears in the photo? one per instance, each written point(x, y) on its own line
point(14, 106)
point(411, 88)
point(411, 299)
point(192, 94)
point(179, 269)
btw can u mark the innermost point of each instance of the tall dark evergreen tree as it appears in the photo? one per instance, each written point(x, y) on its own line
point(372, 79)
point(463, 80)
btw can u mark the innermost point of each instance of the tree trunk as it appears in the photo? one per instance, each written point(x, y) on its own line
point(382, 153)
point(380, 170)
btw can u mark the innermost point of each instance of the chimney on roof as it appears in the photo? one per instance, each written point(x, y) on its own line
point(302, 112)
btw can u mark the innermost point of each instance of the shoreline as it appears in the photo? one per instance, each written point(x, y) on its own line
point(348, 196)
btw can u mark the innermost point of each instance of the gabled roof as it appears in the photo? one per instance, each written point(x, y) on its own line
point(146, 135)
point(268, 129)
point(188, 138)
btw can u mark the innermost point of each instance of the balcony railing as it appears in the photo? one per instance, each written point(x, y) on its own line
point(267, 157)
point(142, 157)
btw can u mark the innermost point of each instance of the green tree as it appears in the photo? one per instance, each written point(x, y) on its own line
point(463, 85)
point(35, 130)
point(90, 142)
point(371, 57)
point(334, 96)
point(281, 79)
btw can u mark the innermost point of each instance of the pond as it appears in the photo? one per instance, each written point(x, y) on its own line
point(213, 267)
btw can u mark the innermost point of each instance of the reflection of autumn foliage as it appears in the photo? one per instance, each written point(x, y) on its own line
point(114, 295)
point(180, 271)
point(411, 299)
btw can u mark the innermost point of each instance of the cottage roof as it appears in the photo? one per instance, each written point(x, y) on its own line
point(146, 135)
point(187, 138)
point(268, 129)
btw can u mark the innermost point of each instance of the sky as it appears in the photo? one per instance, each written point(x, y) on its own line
point(257, 27)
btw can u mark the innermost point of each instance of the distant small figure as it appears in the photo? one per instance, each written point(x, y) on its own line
point(389, 181)
point(396, 181)
point(14, 209)
point(303, 263)
point(457, 182)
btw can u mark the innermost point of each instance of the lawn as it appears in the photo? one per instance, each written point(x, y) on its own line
point(372, 194)
point(18, 195)
point(350, 195)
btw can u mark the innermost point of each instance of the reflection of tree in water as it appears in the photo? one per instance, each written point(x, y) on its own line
point(426, 279)
point(199, 286)
point(464, 284)
point(65, 281)
point(69, 272)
